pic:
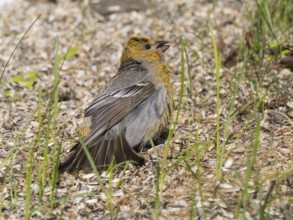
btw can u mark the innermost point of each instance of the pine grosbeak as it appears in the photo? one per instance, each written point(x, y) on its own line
point(131, 109)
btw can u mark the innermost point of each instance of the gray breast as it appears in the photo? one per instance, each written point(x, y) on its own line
point(147, 120)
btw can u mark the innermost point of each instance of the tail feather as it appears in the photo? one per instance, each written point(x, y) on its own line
point(123, 153)
point(67, 165)
point(103, 152)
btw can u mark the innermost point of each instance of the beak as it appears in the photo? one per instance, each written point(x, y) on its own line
point(162, 46)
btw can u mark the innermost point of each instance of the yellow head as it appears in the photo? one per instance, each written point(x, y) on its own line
point(144, 49)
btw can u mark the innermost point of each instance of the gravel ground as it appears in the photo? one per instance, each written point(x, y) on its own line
point(97, 33)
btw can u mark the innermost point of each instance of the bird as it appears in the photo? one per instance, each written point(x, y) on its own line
point(133, 108)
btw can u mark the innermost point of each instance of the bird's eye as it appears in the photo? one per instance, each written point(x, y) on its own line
point(147, 46)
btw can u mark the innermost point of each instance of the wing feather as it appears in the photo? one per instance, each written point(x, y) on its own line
point(119, 104)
